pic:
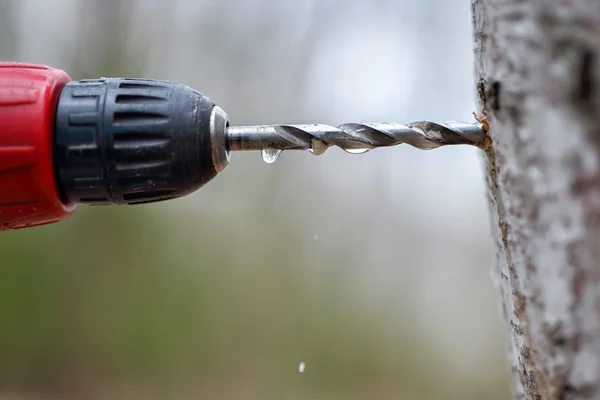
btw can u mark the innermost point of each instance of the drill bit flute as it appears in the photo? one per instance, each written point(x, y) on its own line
point(353, 138)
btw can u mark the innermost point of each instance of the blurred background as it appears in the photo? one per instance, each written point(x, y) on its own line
point(373, 269)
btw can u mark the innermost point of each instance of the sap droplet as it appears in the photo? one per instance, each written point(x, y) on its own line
point(270, 155)
point(357, 151)
point(317, 146)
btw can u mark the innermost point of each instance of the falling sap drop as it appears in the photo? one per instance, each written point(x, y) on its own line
point(270, 155)
point(357, 151)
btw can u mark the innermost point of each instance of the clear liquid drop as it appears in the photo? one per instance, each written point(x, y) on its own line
point(270, 155)
point(357, 151)
point(317, 147)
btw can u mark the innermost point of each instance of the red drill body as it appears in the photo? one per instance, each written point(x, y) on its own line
point(29, 193)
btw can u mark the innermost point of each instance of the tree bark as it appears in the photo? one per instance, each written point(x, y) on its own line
point(538, 71)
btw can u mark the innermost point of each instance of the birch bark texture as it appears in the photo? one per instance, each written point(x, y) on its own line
point(537, 66)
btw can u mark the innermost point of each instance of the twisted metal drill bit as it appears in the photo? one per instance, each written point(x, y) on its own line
point(353, 137)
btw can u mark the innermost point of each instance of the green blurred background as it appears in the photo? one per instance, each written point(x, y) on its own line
point(374, 270)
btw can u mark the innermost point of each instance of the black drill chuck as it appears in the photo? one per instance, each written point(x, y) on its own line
point(133, 141)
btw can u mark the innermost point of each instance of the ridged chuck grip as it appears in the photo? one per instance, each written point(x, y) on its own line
point(132, 141)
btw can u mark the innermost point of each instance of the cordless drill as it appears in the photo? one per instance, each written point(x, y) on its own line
point(128, 141)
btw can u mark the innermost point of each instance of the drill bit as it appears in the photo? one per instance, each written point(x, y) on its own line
point(353, 138)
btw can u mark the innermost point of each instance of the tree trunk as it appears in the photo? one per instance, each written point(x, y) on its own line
point(538, 73)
